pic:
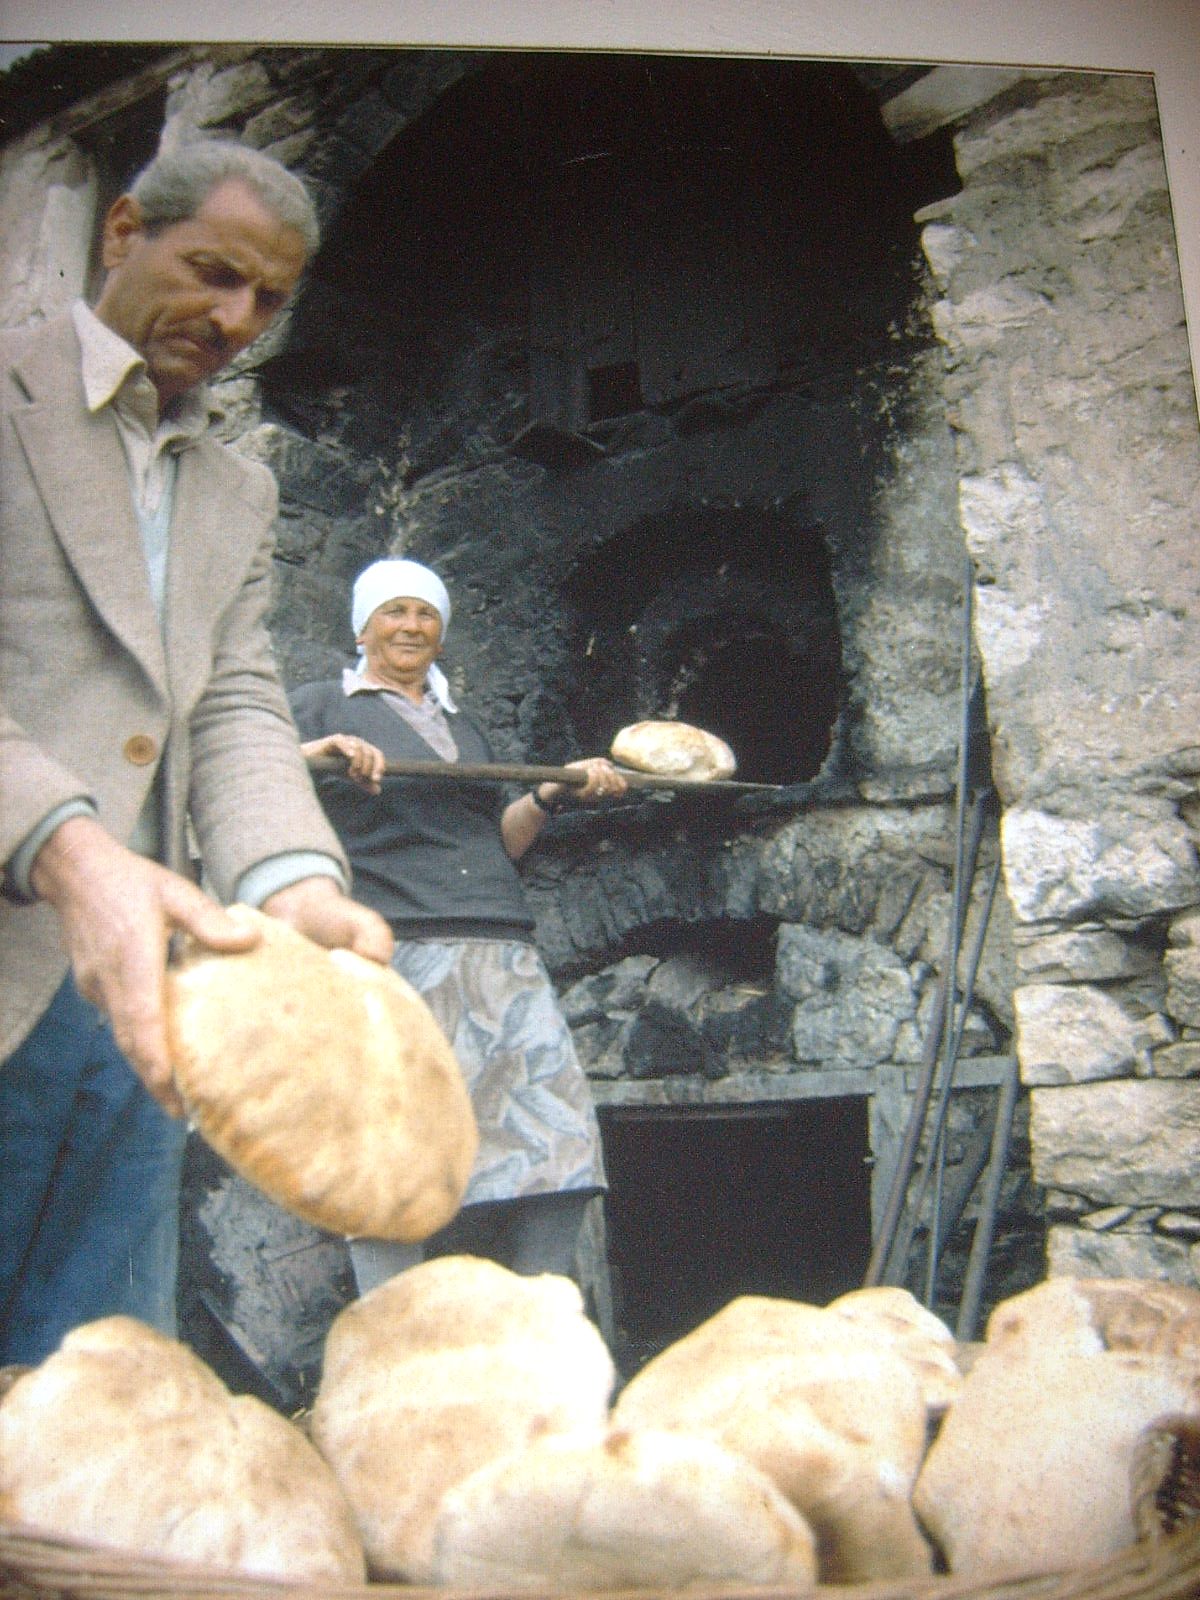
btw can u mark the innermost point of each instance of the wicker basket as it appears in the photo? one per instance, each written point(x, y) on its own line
point(34, 1568)
point(1163, 1565)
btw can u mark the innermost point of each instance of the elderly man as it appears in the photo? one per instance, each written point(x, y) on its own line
point(138, 692)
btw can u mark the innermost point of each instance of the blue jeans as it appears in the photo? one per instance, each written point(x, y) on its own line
point(89, 1185)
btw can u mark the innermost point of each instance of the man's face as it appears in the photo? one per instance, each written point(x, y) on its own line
point(191, 296)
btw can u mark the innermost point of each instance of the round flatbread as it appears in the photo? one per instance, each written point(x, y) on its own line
point(633, 1508)
point(825, 1405)
point(673, 750)
point(1036, 1461)
point(324, 1080)
point(923, 1340)
point(123, 1438)
point(438, 1371)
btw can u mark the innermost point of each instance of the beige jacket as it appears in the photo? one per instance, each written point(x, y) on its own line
point(92, 691)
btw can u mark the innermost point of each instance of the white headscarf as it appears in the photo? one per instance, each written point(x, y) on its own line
point(391, 580)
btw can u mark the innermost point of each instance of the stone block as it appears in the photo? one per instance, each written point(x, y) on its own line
point(282, 119)
point(310, 475)
point(1179, 1060)
point(1183, 984)
point(945, 95)
point(47, 205)
point(370, 123)
point(1077, 1253)
point(291, 152)
point(1066, 109)
point(851, 868)
point(852, 996)
point(945, 247)
point(240, 399)
point(684, 981)
point(1076, 1033)
point(981, 320)
point(214, 99)
point(662, 1043)
point(1088, 955)
point(1070, 867)
point(1100, 198)
point(299, 538)
point(1105, 1220)
point(999, 508)
point(1127, 1141)
point(600, 1046)
point(619, 988)
point(1179, 1225)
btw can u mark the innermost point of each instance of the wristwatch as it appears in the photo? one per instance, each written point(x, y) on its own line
point(549, 807)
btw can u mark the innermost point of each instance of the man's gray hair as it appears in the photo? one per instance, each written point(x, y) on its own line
point(177, 182)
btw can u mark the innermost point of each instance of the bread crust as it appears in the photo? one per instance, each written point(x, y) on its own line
point(632, 1509)
point(124, 1438)
point(437, 1372)
point(831, 1407)
point(324, 1080)
point(1039, 1454)
point(673, 750)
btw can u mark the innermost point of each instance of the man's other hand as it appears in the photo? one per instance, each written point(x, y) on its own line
point(318, 908)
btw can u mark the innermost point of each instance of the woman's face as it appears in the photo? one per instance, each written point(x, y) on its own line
point(400, 641)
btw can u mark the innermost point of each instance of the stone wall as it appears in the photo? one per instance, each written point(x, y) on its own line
point(1070, 393)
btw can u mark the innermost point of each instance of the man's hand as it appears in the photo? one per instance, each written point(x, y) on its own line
point(318, 908)
point(117, 912)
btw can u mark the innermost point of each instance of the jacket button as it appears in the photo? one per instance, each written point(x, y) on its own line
point(141, 750)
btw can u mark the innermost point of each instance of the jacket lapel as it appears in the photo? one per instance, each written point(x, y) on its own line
point(79, 466)
point(215, 533)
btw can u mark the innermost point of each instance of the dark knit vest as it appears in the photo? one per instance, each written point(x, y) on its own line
point(426, 853)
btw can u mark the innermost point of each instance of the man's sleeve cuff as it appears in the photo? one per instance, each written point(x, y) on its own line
point(266, 878)
point(20, 863)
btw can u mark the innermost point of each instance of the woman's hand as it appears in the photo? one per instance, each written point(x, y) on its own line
point(524, 819)
point(364, 762)
point(604, 781)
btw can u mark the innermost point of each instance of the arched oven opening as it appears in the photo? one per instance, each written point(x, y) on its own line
point(781, 737)
point(723, 617)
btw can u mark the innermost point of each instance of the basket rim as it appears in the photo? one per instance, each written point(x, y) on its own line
point(56, 1565)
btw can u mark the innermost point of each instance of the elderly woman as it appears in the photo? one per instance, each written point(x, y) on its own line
point(436, 858)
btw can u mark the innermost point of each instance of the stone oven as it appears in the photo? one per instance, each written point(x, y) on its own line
point(845, 411)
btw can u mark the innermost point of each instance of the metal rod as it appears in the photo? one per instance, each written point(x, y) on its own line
point(936, 1149)
point(885, 1241)
point(985, 1227)
point(937, 1165)
point(944, 1009)
point(517, 772)
point(936, 1234)
point(885, 1245)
